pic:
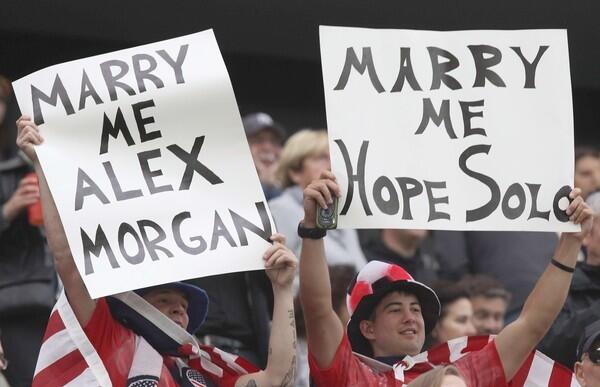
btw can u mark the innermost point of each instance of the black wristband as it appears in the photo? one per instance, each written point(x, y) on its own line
point(311, 233)
point(562, 267)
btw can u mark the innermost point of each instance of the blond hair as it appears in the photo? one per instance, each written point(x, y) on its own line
point(304, 143)
point(434, 377)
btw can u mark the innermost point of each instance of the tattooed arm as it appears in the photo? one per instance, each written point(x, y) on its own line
point(280, 264)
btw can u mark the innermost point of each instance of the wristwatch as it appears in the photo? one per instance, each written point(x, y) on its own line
point(311, 233)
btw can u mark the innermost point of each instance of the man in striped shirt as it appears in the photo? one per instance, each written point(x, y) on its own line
point(391, 313)
point(132, 353)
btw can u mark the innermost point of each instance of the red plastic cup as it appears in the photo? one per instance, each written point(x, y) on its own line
point(34, 211)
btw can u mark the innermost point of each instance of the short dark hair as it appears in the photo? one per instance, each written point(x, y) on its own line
point(481, 285)
point(448, 292)
point(586, 150)
point(340, 276)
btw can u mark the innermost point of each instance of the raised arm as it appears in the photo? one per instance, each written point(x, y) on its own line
point(324, 329)
point(280, 266)
point(79, 298)
point(517, 340)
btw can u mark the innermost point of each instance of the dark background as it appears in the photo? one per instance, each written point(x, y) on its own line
point(271, 47)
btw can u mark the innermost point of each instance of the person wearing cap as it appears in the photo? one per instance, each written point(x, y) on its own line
point(390, 312)
point(138, 333)
point(265, 137)
point(587, 367)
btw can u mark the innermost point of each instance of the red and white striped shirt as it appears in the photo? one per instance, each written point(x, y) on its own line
point(476, 358)
point(104, 356)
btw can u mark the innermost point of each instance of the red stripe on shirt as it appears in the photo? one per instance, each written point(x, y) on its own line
point(61, 371)
point(439, 354)
point(521, 376)
point(475, 343)
point(560, 376)
point(55, 324)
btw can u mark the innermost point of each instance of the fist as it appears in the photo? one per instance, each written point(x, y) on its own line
point(320, 192)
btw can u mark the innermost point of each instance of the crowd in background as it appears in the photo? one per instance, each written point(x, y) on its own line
point(481, 278)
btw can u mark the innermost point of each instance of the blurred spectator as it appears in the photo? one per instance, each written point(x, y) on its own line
point(403, 248)
point(587, 169)
point(456, 316)
point(587, 368)
point(304, 156)
point(340, 276)
point(497, 253)
point(265, 138)
point(240, 303)
point(582, 306)
point(489, 300)
point(27, 278)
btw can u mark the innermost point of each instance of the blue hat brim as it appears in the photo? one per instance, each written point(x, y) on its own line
point(197, 302)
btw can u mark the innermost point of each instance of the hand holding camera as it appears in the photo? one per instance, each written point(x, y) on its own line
point(321, 202)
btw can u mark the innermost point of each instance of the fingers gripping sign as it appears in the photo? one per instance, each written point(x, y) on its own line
point(28, 136)
point(579, 213)
point(280, 262)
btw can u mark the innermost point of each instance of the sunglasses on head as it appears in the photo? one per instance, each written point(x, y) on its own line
point(594, 355)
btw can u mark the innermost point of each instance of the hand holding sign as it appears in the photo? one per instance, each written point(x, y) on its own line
point(28, 136)
point(580, 213)
point(280, 263)
point(395, 100)
point(145, 156)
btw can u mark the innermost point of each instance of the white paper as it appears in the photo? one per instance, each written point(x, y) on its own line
point(198, 102)
point(529, 130)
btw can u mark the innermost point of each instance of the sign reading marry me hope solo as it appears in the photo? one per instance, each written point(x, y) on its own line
point(460, 130)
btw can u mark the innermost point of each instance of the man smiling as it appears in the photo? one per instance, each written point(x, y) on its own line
point(391, 313)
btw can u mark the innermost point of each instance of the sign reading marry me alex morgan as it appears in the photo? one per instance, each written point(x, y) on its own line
point(460, 130)
point(148, 164)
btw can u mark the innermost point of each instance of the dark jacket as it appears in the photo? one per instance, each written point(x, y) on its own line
point(581, 309)
point(517, 259)
point(27, 277)
point(423, 267)
point(239, 309)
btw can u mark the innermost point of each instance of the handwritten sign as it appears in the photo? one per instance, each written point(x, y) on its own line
point(148, 164)
point(461, 130)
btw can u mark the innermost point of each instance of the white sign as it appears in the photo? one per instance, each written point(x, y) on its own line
point(148, 164)
point(462, 130)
